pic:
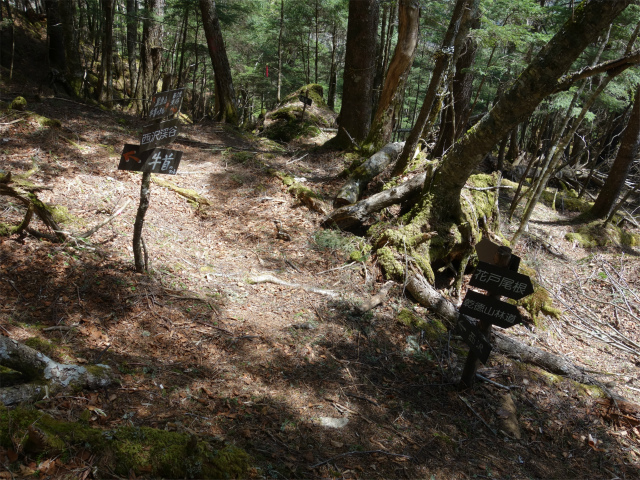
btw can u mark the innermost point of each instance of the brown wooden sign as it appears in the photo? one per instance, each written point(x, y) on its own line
point(500, 281)
point(489, 309)
point(158, 160)
point(474, 338)
point(487, 250)
point(159, 134)
point(165, 103)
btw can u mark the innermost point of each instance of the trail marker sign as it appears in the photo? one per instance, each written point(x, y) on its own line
point(158, 160)
point(501, 281)
point(165, 103)
point(306, 100)
point(488, 309)
point(159, 134)
point(473, 337)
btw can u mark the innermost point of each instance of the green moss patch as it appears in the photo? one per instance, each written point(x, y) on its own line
point(599, 234)
point(433, 329)
point(123, 451)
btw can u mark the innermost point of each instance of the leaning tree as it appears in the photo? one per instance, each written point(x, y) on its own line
point(436, 226)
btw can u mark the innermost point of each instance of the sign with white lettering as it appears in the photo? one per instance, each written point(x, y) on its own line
point(474, 338)
point(490, 310)
point(165, 103)
point(158, 160)
point(501, 281)
point(158, 134)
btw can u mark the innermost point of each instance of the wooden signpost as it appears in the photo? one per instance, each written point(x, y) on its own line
point(148, 158)
point(497, 274)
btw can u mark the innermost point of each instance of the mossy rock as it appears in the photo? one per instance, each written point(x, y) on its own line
point(539, 301)
point(19, 103)
point(285, 123)
point(42, 345)
point(599, 234)
point(123, 451)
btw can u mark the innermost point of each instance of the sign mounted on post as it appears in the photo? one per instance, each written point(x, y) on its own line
point(474, 338)
point(157, 160)
point(305, 100)
point(500, 281)
point(490, 310)
point(165, 103)
point(158, 134)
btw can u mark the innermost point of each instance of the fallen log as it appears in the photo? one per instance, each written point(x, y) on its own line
point(357, 182)
point(351, 216)
point(44, 376)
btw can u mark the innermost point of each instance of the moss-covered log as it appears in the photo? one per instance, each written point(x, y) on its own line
point(126, 451)
point(44, 375)
point(353, 216)
point(361, 176)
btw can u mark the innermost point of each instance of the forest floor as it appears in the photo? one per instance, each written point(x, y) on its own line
point(308, 386)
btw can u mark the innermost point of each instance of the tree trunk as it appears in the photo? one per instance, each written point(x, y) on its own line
point(105, 79)
point(227, 107)
point(399, 68)
point(132, 43)
point(280, 49)
point(466, 49)
point(333, 73)
point(55, 36)
point(151, 51)
point(629, 148)
point(442, 62)
point(359, 70)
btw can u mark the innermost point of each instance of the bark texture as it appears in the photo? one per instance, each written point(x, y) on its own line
point(357, 182)
point(45, 375)
point(353, 216)
point(399, 68)
point(225, 94)
point(151, 51)
point(628, 152)
point(359, 71)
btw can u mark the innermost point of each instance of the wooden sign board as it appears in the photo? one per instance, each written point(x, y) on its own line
point(158, 160)
point(474, 338)
point(165, 103)
point(306, 100)
point(158, 134)
point(487, 250)
point(501, 281)
point(489, 309)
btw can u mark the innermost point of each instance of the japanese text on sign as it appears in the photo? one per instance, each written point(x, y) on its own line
point(158, 135)
point(165, 103)
point(474, 338)
point(489, 311)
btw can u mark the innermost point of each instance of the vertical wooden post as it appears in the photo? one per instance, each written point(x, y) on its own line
point(145, 195)
point(501, 259)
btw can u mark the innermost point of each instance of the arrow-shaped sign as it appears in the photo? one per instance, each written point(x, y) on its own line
point(474, 338)
point(501, 281)
point(490, 310)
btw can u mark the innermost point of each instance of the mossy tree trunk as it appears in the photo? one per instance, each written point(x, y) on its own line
point(150, 51)
point(399, 68)
point(439, 207)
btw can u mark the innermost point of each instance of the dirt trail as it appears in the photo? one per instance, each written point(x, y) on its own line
point(302, 381)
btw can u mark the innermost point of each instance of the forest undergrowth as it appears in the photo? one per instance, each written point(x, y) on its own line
point(208, 345)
